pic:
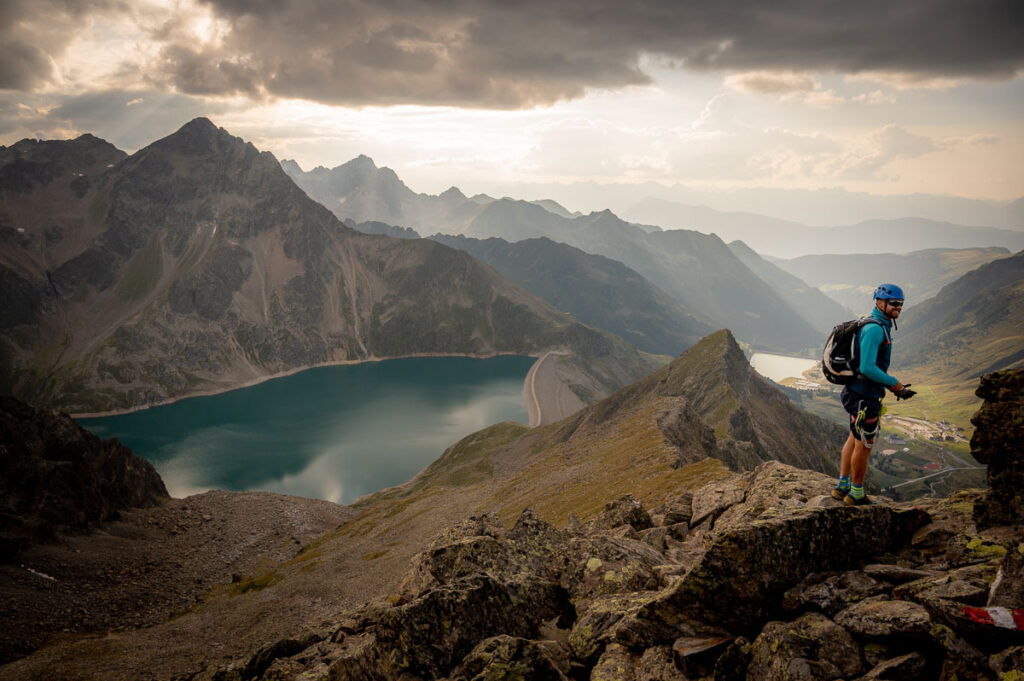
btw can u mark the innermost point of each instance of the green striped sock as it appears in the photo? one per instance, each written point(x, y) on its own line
point(844, 483)
point(857, 491)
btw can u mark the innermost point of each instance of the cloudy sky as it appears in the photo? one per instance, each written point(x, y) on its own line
point(872, 96)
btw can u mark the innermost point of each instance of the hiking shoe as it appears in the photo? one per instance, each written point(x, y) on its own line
point(863, 501)
point(839, 494)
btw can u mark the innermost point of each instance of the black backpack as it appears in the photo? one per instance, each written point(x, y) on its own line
point(840, 362)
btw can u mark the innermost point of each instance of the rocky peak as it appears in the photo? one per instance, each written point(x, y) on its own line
point(200, 138)
point(360, 164)
point(30, 163)
point(291, 167)
point(453, 194)
point(711, 402)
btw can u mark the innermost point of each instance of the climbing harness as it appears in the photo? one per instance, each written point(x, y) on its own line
point(860, 424)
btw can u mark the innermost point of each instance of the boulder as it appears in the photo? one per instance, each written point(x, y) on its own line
point(967, 549)
point(977, 576)
point(909, 667)
point(429, 635)
point(959, 590)
point(960, 660)
point(265, 657)
point(696, 656)
point(770, 490)
point(508, 657)
point(734, 661)
point(679, 510)
point(885, 619)
point(713, 499)
point(812, 648)
point(896, 574)
point(999, 430)
point(830, 592)
point(619, 663)
point(359, 658)
point(624, 511)
point(1008, 661)
point(603, 564)
point(655, 538)
point(480, 545)
point(1008, 588)
point(989, 629)
point(595, 625)
point(739, 581)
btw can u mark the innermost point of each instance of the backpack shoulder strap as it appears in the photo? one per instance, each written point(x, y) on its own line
point(864, 321)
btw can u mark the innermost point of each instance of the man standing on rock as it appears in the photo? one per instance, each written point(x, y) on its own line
point(862, 399)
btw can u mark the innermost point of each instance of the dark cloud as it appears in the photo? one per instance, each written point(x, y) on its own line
point(496, 53)
point(499, 53)
point(22, 66)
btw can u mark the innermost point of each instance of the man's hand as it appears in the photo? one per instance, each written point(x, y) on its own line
point(905, 393)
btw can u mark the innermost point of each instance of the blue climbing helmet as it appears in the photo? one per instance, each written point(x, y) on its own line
point(888, 292)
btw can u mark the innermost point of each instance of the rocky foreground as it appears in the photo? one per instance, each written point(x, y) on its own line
point(760, 577)
point(756, 575)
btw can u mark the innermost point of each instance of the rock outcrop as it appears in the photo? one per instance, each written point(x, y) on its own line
point(997, 443)
point(760, 577)
point(56, 477)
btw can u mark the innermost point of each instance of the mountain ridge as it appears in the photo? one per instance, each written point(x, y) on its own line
point(598, 291)
point(202, 266)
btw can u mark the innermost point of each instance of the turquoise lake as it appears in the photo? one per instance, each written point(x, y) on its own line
point(332, 433)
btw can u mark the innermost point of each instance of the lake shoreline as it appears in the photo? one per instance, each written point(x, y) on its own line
point(291, 372)
point(332, 432)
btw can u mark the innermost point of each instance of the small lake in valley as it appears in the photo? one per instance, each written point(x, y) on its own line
point(332, 433)
point(779, 367)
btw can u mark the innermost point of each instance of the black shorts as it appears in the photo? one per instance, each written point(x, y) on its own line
point(853, 402)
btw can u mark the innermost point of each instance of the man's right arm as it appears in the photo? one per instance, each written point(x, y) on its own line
point(871, 337)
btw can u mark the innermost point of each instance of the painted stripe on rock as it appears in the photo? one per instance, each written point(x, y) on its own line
point(1004, 618)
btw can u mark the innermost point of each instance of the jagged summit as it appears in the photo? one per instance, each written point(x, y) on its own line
point(360, 162)
point(200, 137)
point(29, 163)
point(710, 402)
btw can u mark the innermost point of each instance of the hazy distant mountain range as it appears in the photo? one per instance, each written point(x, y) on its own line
point(832, 207)
point(196, 264)
point(699, 271)
point(779, 222)
point(685, 264)
point(851, 279)
point(788, 239)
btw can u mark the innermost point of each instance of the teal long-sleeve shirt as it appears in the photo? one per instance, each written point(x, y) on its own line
point(872, 336)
